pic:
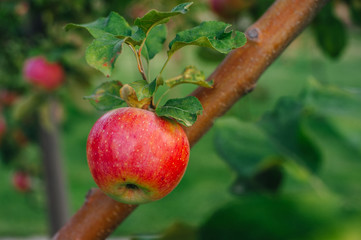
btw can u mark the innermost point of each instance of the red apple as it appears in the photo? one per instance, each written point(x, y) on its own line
point(8, 97)
point(229, 8)
point(43, 74)
point(21, 181)
point(135, 156)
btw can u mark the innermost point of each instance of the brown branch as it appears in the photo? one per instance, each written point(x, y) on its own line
point(235, 76)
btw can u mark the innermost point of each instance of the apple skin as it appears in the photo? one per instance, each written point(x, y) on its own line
point(43, 74)
point(21, 181)
point(135, 156)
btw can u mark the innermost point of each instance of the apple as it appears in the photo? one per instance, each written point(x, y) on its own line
point(135, 156)
point(229, 8)
point(8, 97)
point(21, 181)
point(43, 74)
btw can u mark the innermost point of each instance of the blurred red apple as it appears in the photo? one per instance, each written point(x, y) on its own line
point(229, 8)
point(43, 74)
point(21, 181)
point(8, 97)
point(135, 156)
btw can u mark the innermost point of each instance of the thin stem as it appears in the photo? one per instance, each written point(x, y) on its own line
point(165, 64)
point(139, 62)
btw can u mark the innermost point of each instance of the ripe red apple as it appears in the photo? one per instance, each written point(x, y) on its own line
point(229, 8)
point(43, 74)
point(135, 156)
point(21, 181)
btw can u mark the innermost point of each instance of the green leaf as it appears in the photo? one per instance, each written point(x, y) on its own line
point(190, 75)
point(263, 217)
point(355, 10)
point(106, 96)
point(330, 32)
point(184, 110)
point(285, 129)
point(330, 100)
point(242, 145)
point(114, 24)
point(154, 17)
point(155, 40)
point(142, 89)
point(212, 34)
point(103, 52)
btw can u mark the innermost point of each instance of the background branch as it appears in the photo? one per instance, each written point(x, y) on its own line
point(234, 77)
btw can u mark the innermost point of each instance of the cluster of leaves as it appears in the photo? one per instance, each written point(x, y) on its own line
point(283, 139)
point(329, 29)
point(146, 38)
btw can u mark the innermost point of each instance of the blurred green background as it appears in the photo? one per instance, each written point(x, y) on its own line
point(216, 199)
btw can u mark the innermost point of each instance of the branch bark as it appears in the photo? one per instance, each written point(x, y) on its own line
point(235, 76)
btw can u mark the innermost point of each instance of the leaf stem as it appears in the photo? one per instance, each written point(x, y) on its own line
point(165, 64)
point(139, 61)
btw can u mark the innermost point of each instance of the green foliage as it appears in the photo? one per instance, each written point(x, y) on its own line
point(155, 41)
point(284, 135)
point(106, 96)
point(184, 110)
point(146, 39)
point(190, 75)
point(330, 32)
point(212, 34)
point(114, 24)
point(142, 89)
point(154, 17)
point(260, 217)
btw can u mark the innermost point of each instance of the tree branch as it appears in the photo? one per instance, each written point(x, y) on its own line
point(234, 77)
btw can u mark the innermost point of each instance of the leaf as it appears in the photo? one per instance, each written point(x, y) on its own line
point(155, 40)
point(242, 145)
point(190, 75)
point(184, 110)
point(210, 34)
point(103, 52)
point(330, 32)
point(106, 96)
point(329, 100)
point(142, 89)
point(355, 10)
point(114, 24)
point(263, 217)
point(285, 129)
point(129, 95)
point(154, 17)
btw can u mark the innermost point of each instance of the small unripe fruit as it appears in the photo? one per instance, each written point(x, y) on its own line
point(135, 156)
point(43, 74)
